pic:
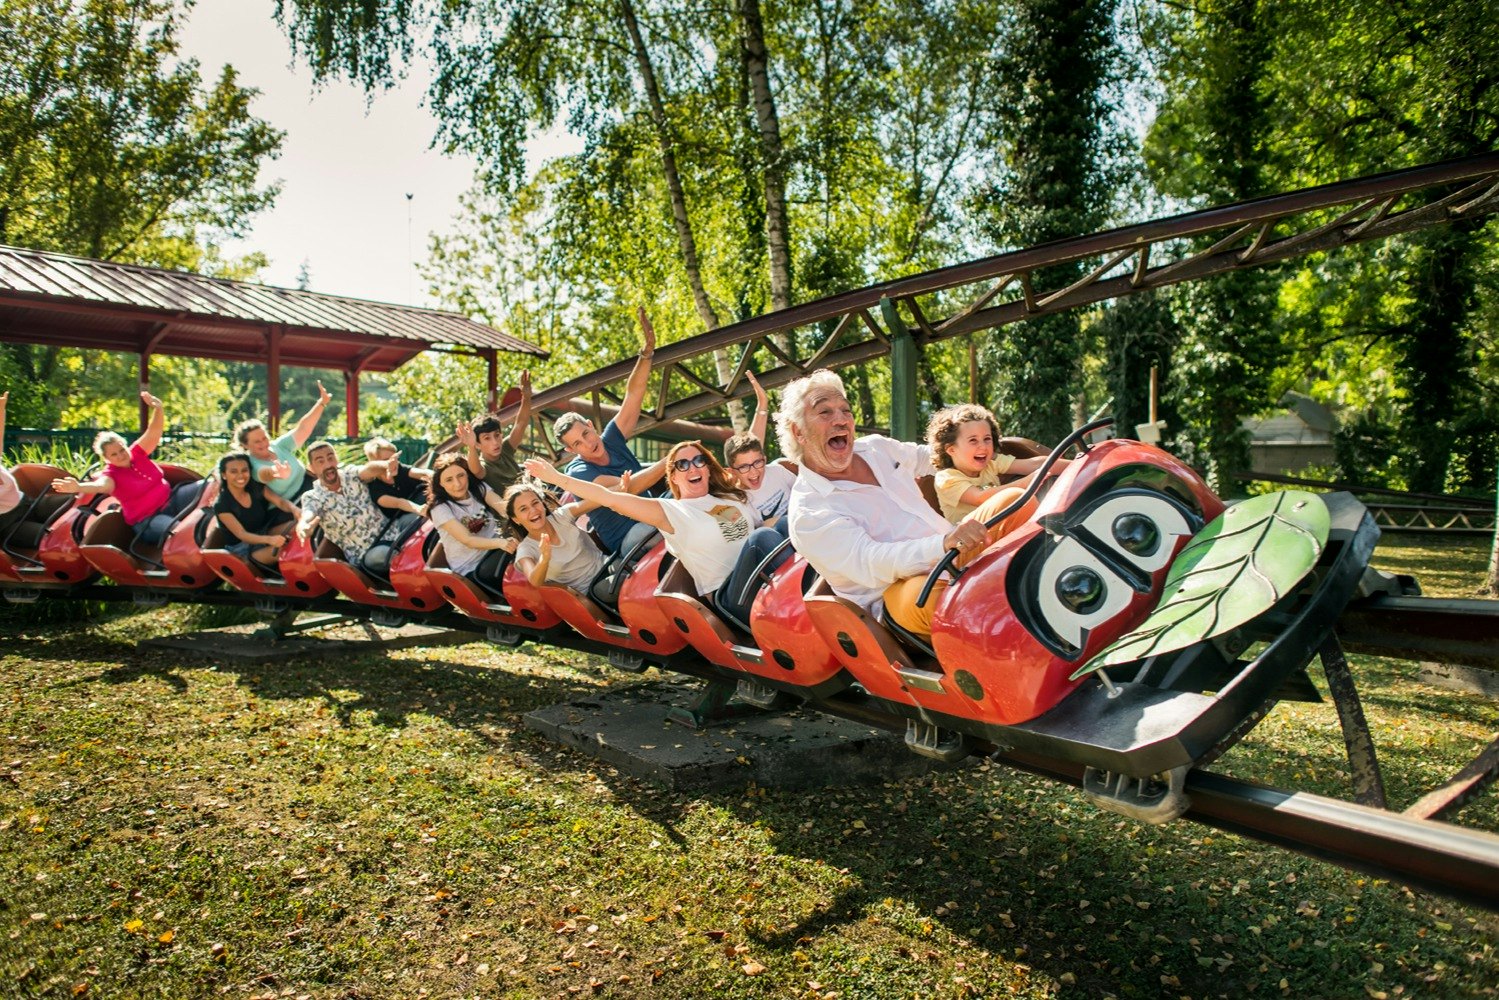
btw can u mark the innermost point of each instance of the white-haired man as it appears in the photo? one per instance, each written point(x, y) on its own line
point(857, 513)
point(604, 458)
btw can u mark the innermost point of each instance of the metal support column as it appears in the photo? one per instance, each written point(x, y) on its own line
point(903, 412)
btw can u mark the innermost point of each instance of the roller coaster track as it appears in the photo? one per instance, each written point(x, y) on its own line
point(1410, 847)
point(859, 326)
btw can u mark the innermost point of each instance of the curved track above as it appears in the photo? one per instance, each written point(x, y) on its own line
point(858, 326)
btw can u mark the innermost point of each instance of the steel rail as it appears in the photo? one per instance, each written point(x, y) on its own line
point(1247, 236)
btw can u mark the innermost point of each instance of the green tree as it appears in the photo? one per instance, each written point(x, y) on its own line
point(1060, 57)
point(112, 147)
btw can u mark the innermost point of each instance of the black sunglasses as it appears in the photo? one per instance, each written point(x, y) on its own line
point(695, 462)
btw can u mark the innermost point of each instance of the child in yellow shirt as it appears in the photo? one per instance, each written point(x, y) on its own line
point(964, 441)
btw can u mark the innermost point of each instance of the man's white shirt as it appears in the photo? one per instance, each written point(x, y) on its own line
point(863, 538)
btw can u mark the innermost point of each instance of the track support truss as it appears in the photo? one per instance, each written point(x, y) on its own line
point(859, 326)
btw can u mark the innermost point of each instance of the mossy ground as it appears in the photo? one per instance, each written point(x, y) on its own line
point(383, 826)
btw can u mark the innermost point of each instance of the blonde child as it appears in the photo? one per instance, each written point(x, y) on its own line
point(964, 443)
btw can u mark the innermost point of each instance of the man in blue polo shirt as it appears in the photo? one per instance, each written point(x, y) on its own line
point(604, 458)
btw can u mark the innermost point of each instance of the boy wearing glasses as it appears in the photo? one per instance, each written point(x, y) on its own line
point(768, 484)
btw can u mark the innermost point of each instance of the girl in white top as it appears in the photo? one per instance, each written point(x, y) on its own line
point(708, 523)
point(552, 549)
point(466, 513)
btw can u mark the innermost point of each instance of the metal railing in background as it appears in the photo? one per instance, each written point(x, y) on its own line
point(1400, 510)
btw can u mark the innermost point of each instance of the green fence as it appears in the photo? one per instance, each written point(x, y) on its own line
point(194, 450)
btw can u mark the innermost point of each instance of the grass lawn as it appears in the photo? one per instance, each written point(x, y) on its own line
point(383, 826)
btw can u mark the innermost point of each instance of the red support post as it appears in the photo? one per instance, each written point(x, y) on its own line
point(273, 382)
point(351, 403)
point(145, 387)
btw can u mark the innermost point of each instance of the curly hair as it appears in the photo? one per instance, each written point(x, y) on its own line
point(720, 483)
point(943, 429)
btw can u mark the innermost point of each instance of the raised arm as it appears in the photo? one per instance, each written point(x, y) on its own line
point(629, 410)
point(4, 398)
point(523, 418)
point(761, 422)
point(469, 441)
point(148, 441)
point(637, 508)
point(309, 421)
point(385, 468)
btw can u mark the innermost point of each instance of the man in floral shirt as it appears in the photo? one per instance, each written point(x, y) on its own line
point(341, 502)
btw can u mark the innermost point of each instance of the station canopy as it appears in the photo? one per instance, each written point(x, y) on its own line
point(55, 300)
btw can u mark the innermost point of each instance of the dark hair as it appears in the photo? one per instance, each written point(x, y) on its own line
point(514, 527)
point(720, 482)
point(487, 424)
point(945, 424)
point(235, 456)
point(436, 494)
point(739, 444)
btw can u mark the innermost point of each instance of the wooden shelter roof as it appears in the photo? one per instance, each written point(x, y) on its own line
point(57, 300)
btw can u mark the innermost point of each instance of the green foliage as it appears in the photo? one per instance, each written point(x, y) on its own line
point(110, 145)
point(1058, 62)
point(113, 147)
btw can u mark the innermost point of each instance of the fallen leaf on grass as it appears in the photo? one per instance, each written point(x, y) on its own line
point(131, 926)
point(167, 936)
point(753, 968)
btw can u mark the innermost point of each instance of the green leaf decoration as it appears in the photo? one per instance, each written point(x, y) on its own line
point(1233, 570)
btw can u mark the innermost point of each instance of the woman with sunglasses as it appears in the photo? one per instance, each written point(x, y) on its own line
point(708, 524)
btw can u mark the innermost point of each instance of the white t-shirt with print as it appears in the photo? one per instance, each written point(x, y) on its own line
point(575, 559)
point(774, 493)
point(707, 534)
point(473, 515)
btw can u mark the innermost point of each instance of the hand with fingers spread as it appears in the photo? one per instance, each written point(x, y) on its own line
point(67, 484)
point(761, 399)
point(525, 387)
point(540, 468)
point(280, 470)
point(623, 486)
point(464, 432)
point(647, 333)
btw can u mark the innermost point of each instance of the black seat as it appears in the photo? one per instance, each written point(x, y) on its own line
point(604, 588)
point(376, 559)
point(908, 638)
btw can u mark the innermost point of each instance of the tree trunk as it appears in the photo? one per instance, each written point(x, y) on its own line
point(757, 63)
point(685, 240)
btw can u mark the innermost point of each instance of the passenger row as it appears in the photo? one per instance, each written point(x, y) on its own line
point(708, 563)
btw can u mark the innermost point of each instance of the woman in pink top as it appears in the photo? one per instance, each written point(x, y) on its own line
point(131, 477)
point(10, 493)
